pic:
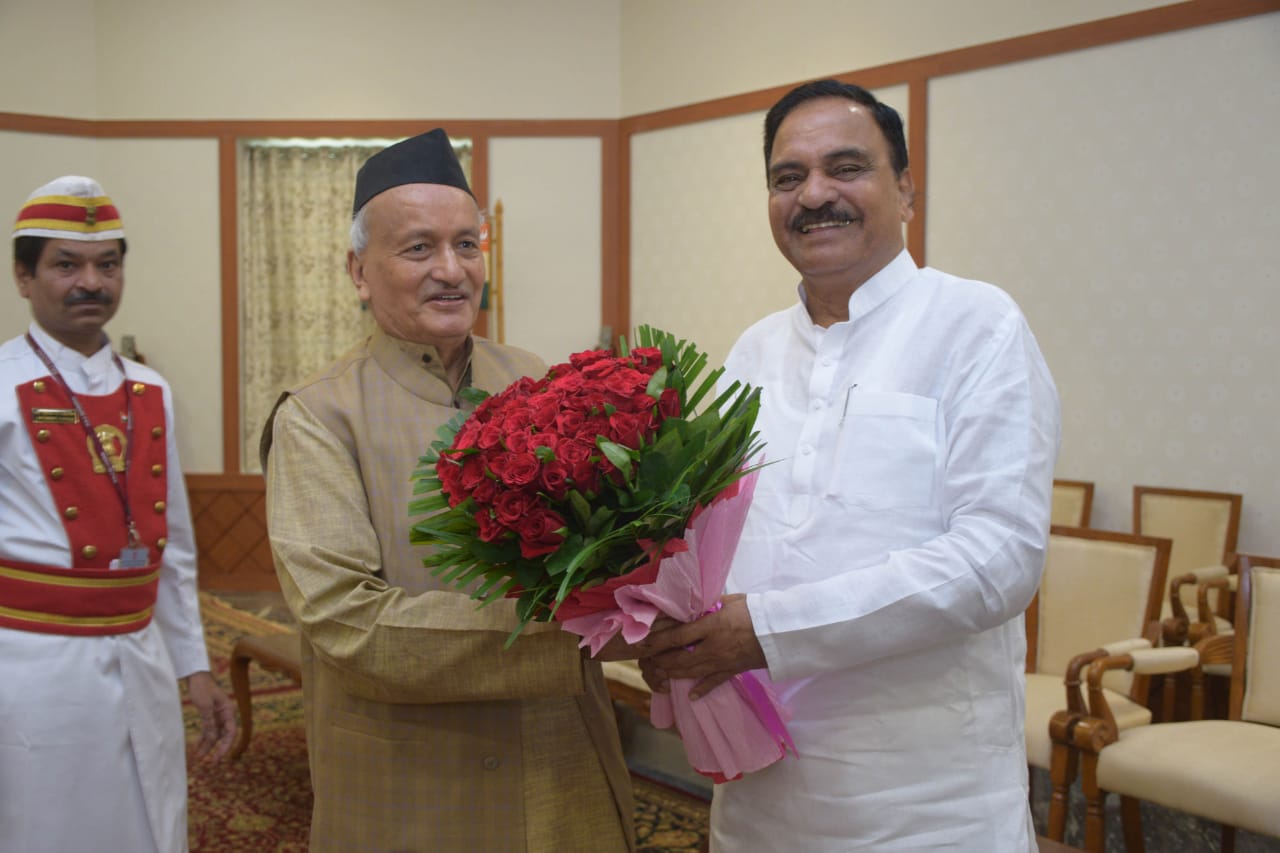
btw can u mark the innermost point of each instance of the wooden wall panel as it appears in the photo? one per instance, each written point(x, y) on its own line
point(230, 516)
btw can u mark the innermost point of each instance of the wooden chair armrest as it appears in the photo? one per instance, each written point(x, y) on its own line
point(1177, 627)
point(1224, 585)
point(1072, 678)
point(1175, 595)
point(1139, 661)
point(1061, 722)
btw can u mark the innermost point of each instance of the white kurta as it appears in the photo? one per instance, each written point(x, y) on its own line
point(92, 750)
point(892, 547)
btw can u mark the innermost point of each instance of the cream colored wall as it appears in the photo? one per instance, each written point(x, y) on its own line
point(336, 59)
point(1126, 197)
point(168, 196)
point(703, 262)
point(676, 52)
point(32, 34)
point(552, 262)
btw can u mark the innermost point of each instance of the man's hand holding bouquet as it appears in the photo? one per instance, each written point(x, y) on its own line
point(603, 497)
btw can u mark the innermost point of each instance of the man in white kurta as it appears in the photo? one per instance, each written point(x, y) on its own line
point(92, 748)
point(899, 531)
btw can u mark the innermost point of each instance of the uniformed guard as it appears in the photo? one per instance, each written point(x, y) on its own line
point(98, 608)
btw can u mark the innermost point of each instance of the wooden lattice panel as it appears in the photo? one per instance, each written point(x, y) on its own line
point(229, 512)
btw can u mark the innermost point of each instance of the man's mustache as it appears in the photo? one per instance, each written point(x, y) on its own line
point(82, 297)
point(827, 213)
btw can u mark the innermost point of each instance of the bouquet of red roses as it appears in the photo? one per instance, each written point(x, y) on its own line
point(584, 494)
point(561, 483)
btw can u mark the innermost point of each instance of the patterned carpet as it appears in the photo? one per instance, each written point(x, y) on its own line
point(262, 800)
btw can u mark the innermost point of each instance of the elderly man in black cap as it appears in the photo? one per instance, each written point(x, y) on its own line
point(424, 732)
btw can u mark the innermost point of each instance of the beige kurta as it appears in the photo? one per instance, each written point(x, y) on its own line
point(424, 733)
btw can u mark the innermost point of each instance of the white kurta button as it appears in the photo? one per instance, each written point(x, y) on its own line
point(806, 450)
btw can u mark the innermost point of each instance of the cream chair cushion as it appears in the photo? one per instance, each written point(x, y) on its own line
point(1076, 616)
point(1262, 673)
point(1198, 528)
point(1234, 774)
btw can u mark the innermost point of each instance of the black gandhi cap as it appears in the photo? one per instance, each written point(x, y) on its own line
point(424, 159)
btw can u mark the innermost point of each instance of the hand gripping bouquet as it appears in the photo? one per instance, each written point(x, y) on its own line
point(602, 496)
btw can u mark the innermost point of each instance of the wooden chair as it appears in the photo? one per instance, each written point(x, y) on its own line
point(277, 652)
point(1234, 775)
point(1072, 503)
point(1204, 527)
point(627, 686)
point(1117, 580)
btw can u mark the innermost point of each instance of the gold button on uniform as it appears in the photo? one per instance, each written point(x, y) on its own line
point(71, 512)
point(38, 385)
point(89, 552)
point(56, 473)
point(157, 470)
point(159, 506)
point(42, 435)
point(156, 432)
point(138, 387)
point(161, 542)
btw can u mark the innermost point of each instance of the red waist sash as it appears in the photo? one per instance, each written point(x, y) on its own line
point(77, 602)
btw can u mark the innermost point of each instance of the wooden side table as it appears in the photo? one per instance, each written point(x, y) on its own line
point(280, 653)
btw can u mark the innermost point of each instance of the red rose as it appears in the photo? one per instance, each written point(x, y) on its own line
point(574, 452)
point(568, 383)
point(582, 359)
point(472, 473)
point(669, 403)
point(527, 385)
point(569, 421)
point(484, 491)
point(628, 429)
point(544, 439)
point(555, 480)
point(640, 402)
point(543, 413)
point(648, 359)
point(467, 435)
point(599, 369)
point(489, 529)
point(540, 532)
point(517, 442)
point(516, 421)
point(510, 506)
point(520, 469)
point(584, 477)
point(490, 436)
point(624, 382)
point(450, 474)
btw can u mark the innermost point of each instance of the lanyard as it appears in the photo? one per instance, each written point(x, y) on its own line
point(119, 483)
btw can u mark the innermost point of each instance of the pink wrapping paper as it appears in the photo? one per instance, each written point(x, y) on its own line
point(738, 727)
